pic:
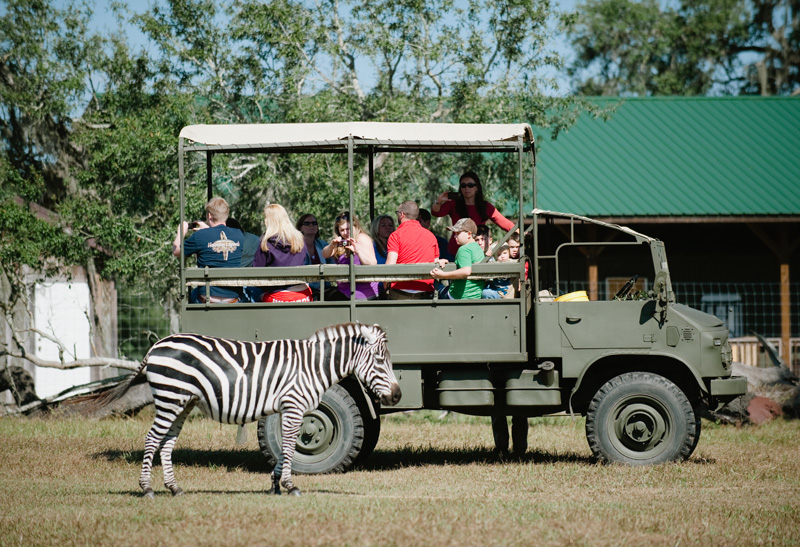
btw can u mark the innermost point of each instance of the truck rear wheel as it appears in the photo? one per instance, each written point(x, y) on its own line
point(639, 418)
point(372, 431)
point(331, 437)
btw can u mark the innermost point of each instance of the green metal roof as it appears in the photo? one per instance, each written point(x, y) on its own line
point(677, 156)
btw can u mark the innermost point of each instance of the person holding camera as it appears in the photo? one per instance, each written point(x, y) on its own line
point(216, 246)
point(468, 202)
point(351, 242)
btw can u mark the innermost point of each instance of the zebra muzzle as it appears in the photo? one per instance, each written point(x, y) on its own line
point(393, 397)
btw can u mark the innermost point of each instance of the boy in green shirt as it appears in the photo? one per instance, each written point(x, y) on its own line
point(468, 254)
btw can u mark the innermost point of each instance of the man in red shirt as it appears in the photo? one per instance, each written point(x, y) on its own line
point(411, 244)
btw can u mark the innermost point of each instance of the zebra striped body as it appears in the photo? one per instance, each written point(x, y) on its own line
point(239, 382)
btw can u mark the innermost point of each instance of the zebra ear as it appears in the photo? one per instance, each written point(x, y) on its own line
point(368, 333)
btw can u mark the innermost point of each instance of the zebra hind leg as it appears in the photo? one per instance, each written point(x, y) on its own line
point(151, 443)
point(166, 452)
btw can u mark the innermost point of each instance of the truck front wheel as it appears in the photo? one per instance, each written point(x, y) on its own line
point(639, 418)
point(331, 437)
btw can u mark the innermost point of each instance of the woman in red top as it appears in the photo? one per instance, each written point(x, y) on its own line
point(469, 203)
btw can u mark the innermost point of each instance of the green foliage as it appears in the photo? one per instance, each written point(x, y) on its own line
point(89, 124)
point(627, 47)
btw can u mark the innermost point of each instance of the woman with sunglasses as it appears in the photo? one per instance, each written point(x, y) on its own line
point(309, 227)
point(351, 241)
point(468, 203)
point(282, 245)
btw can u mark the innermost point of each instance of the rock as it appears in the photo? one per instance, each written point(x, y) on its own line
point(762, 409)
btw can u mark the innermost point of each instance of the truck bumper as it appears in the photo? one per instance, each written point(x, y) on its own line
point(723, 390)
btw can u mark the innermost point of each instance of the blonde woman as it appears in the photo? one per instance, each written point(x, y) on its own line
point(282, 245)
point(382, 228)
point(351, 240)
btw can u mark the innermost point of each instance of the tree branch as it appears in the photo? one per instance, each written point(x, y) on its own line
point(77, 363)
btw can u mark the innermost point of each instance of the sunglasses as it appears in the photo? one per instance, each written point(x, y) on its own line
point(468, 184)
point(310, 223)
point(343, 216)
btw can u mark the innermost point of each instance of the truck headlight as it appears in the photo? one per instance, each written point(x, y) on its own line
point(726, 353)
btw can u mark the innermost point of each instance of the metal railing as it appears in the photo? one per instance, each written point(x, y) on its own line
point(745, 308)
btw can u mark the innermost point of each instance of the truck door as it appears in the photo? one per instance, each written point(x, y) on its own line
point(610, 324)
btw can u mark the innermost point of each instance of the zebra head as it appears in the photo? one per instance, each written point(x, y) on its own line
point(375, 366)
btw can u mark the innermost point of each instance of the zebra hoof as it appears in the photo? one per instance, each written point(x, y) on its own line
point(178, 491)
point(148, 494)
point(294, 491)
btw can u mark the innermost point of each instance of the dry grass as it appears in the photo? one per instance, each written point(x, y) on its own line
point(430, 482)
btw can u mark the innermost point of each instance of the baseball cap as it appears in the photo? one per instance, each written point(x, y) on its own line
point(464, 225)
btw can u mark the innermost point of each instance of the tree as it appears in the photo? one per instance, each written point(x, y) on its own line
point(89, 124)
point(67, 199)
point(775, 37)
point(290, 60)
point(626, 47)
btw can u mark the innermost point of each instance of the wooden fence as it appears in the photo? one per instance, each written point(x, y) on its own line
point(748, 350)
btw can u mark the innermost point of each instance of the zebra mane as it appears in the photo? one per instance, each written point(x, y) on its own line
point(370, 332)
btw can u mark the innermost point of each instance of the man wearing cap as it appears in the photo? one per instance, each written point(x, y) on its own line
point(468, 253)
point(411, 244)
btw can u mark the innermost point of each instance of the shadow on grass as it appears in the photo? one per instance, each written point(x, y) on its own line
point(253, 461)
point(382, 460)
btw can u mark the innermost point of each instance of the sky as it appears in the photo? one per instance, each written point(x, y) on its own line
point(105, 20)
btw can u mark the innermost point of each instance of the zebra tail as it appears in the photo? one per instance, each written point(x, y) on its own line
point(93, 403)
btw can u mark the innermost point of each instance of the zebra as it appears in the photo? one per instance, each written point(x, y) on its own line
point(238, 382)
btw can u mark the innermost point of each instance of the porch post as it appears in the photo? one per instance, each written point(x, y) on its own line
point(786, 321)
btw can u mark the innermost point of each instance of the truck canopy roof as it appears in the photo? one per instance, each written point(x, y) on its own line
point(282, 136)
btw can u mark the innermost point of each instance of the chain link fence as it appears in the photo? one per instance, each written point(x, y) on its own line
point(141, 321)
point(745, 308)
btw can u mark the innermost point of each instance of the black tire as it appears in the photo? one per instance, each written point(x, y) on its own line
point(372, 431)
point(331, 437)
point(639, 418)
point(697, 428)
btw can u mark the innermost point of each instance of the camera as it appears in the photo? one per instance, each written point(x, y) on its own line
point(341, 243)
point(194, 224)
point(452, 195)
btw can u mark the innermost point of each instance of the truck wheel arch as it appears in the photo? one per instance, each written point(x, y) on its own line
point(604, 367)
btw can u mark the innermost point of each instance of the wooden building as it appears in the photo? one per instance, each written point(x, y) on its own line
point(716, 179)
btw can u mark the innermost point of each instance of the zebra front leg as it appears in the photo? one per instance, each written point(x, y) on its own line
point(276, 475)
point(290, 429)
point(276, 479)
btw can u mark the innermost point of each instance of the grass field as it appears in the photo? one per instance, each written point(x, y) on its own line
point(430, 482)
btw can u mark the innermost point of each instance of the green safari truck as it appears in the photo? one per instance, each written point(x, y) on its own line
point(636, 363)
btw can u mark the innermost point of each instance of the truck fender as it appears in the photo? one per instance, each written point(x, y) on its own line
point(587, 370)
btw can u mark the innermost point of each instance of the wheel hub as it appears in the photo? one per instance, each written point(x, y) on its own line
point(640, 426)
point(316, 433)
